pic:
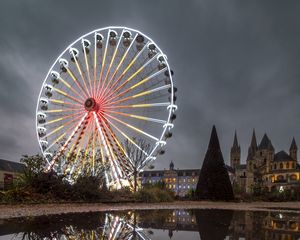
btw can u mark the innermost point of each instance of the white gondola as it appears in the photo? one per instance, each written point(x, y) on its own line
point(54, 77)
point(140, 39)
point(48, 90)
point(151, 50)
point(41, 117)
point(86, 44)
point(126, 38)
point(98, 40)
point(74, 53)
point(168, 134)
point(41, 131)
point(44, 104)
point(64, 64)
point(44, 144)
point(113, 38)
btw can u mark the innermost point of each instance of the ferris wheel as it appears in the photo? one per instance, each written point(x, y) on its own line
point(109, 86)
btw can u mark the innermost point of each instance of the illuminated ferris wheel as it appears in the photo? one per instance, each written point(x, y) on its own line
point(109, 86)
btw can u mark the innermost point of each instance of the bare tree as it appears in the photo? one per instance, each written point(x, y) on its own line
point(137, 155)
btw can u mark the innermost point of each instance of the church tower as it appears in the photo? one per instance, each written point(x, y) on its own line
point(235, 153)
point(253, 146)
point(293, 150)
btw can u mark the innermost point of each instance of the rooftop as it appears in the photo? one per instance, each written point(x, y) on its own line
point(10, 166)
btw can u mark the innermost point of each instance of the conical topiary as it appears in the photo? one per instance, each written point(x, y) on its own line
point(214, 182)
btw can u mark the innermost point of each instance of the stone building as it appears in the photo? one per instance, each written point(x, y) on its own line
point(9, 172)
point(265, 168)
point(181, 181)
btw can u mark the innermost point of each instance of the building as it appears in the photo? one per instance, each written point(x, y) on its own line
point(9, 171)
point(265, 168)
point(181, 181)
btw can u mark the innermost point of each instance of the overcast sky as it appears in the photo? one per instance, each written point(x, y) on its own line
point(236, 64)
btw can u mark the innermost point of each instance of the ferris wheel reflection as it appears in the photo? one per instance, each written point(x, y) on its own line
point(109, 226)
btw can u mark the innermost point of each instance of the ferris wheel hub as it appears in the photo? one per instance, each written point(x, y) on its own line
point(90, 104)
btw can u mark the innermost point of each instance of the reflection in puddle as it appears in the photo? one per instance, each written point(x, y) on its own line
point(157, 224)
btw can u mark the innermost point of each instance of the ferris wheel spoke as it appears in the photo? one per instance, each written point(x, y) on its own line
point(136, 85)
point(103, 64)
point(79, 137)
point(142, 105)
point(60, 137)
point(125, 71)
point(110, 65)
point(95, 65)
point(120, 63)
point(77, 82)
point(114, 90)
point(78, 65)
point(66, 95)
point(106, 147)
point(60, 102)
point(88, 69)
point(132, 127)
point(127, 137)
point(140, 94)
point(63, 148)
point(116, 151)
point(119, 165)
point(63, 110)
point(138, 117)
point(120, 147)
point(103, 158)
point(71, 88)
point(60, 119)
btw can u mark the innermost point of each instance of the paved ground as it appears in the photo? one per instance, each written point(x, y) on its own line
point(12, 211)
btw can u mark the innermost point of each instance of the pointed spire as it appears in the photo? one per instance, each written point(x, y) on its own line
point(235, 141)
point(235, 146)
point(171, 165)
point(293, 145)
point(253, 140)
point(253, 146)
point(214, 140)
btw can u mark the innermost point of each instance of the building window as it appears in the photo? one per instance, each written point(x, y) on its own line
point(281, 165)
point(287, 165)
point(293, 177)
point(275, 166)
point(280, 178)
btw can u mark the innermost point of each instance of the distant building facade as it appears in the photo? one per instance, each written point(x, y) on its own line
point(181, 181)
point(264, 167)
point(9, 172)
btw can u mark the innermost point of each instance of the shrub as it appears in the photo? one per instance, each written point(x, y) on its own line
point(154, 194)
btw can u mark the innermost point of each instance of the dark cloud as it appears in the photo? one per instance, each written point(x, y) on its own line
point(236, 65)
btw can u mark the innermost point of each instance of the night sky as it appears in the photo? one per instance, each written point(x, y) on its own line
point(236, 64)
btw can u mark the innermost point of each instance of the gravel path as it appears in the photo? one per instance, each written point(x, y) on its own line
point(13, 211)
